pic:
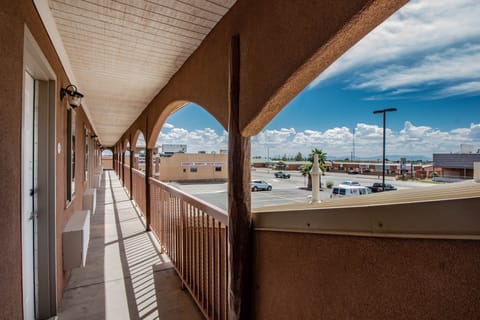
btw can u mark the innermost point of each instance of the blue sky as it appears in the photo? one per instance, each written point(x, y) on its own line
point(424, 60)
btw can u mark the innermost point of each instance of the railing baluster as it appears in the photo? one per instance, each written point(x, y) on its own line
point(194, 235)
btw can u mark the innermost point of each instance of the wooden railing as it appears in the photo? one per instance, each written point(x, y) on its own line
point(194, 234)
point(139, 190)
point(126, 177)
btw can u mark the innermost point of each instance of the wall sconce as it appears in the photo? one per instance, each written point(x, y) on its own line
point(74, 97)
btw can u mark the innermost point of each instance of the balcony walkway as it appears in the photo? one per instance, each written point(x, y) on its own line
point(125, 276)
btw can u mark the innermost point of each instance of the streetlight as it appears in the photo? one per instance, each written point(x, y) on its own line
point(384, 111)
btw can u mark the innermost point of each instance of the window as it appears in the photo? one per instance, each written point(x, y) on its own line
point(218, 169)
point(71, 118)
point(193, 169)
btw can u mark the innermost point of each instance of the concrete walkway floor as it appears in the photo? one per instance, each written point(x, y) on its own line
point(125, 276)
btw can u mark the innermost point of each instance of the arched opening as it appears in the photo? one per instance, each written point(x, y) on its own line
point(140, 151)
point(191, 152)
point(427, 78)
point(107, 159)
point(126, 153)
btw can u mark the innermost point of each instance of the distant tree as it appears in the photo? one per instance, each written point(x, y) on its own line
point(284, 158)
point(299, 157)
point(322, 158)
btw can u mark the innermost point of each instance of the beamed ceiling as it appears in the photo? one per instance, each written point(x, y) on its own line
point(123, 52)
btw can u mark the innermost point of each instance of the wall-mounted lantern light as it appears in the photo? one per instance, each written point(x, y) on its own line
point(74, 97)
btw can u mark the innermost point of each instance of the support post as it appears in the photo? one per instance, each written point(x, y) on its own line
point(130, 172)
point(315, 174)
point(148, 174)
point(131, 168)
point(123, 167)
point(239, 212)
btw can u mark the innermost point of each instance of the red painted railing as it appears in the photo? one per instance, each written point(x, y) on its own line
point(194, 234)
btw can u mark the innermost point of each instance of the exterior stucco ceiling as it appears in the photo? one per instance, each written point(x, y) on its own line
point(123, 52)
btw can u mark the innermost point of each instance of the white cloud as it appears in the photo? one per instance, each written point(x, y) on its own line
point(464, 88)
point(267, 137)
point(451, 65)
point(196, 140)
point(167, 125)
point(410, 140)
point(415, 32)
point(421, 140)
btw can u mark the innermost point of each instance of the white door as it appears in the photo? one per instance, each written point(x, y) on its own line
point(29, 196)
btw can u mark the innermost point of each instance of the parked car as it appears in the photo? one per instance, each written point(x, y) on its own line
point(378, 187)
point(352, 171)
point(257, 185)
point(282, 175)
point(348, 191)
point(350, 183)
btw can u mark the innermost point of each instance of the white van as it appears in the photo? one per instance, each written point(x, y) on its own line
point(348, 191)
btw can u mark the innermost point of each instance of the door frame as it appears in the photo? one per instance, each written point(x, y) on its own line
point(45, 253)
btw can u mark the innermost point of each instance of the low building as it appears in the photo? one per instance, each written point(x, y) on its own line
point(192, 167)
point(456, 165)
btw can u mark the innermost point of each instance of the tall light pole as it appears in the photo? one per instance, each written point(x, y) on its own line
point(353, 152)
point(384, 111)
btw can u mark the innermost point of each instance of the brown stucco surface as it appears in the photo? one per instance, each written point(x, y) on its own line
point(282, 47)
point(343, 277)
point(14, 16)
point(11, 64)
point(270, 57)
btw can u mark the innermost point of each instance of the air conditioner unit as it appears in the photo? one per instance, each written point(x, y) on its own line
point(75, 238)
point(90, 200)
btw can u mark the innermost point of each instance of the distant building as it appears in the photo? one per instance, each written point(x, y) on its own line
point(277, 165)
point(192, 167)
point(174, 148)
point(456, 165)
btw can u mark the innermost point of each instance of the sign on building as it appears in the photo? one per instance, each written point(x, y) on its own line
point(202, 164)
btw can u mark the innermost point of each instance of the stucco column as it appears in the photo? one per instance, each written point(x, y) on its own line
point(132, 155)
point(122, 170)
point(239, 211)
point(148, 174)
point(476, 172)
point(315, 174)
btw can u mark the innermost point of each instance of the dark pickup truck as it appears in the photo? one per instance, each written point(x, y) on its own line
point(378, 187)
point(282, 175)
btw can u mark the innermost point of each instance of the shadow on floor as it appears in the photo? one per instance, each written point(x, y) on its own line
point(126, 276)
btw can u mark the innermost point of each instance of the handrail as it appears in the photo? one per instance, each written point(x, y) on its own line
point(138, 171)
point(431, 213)
point(214, 211)
point(194, 234)
point(139, 190)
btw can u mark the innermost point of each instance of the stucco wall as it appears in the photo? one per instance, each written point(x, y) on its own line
point(274, 68)
point(14, 16)
point(313, 276)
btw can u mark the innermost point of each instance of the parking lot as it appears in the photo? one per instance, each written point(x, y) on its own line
point(284, 191)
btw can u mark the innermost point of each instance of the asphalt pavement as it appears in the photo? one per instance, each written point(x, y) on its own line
point(284, 191)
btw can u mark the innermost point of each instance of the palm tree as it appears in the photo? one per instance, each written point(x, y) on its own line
point(322, 158)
